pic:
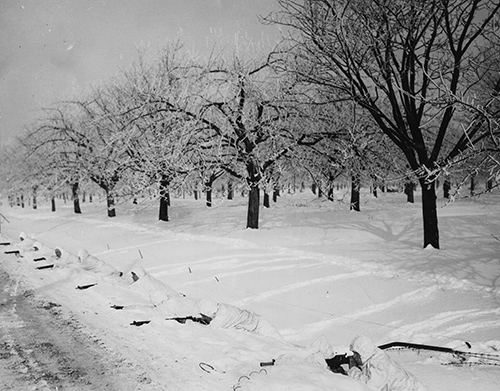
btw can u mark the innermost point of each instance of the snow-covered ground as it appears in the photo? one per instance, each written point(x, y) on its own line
point(318, 273)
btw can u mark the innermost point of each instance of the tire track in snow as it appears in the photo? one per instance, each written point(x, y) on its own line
point(246, 271)
point(237, 263)
point(433, 326)
point(299, 285)
point(406, 298)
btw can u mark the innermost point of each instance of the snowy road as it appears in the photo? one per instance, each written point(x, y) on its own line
point(41, 349)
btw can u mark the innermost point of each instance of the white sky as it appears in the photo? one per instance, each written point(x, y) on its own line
point(52, 49)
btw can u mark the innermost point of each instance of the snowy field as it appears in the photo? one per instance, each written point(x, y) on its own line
point(315, 271)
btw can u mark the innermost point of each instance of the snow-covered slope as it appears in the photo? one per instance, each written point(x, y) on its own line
point(317, 273)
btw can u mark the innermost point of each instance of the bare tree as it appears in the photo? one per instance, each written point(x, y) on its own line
point(406, 62)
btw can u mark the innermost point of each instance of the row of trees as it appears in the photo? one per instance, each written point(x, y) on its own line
point(363, 89)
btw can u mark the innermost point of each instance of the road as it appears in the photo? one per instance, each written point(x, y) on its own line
point(41, 348)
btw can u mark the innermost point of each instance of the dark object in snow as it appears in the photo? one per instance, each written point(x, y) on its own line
point(209, 368)
point(135, 277)
point(468, 344)
point(335, 363)
point(418, 346)
point(206, 367)
point(45, 267)
point(117, 307)
point(268, 363)
point(204, 319)
point(39, 259)
point(464, 357)
point(4, 243)
point(16, 252)
point(139, 322)
point(85, 286)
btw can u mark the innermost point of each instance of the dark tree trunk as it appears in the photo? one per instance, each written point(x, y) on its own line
point(230, 190)
point(209, 197)
point(276, 193)
point(409, 192)
point(110, 202)
point(253, 207)
point(209, 186)
point(195, 194)
point(266, 199)
point(446, 188)
point(76, 200)
point(253, 196)
point(472, 185)
point(429, 211)
point(330, 194)
point(355, 184)
point(53, 204)
point(164, 202)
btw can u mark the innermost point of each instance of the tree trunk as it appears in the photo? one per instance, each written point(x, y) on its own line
point(446, 189)
point(164, 203)
point(409, 192)
point(76, 200)
point(266, 199)
point(253, 196)
point(330, 193)
point(253, 207)
point(195, 194)
point(110, 202)
point(276, 193)
point(429, 211)
point(53, 204)
point(230, 190)
point(209, 196)
point(355, 184)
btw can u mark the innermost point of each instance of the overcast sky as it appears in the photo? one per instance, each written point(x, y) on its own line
point(52, 49)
